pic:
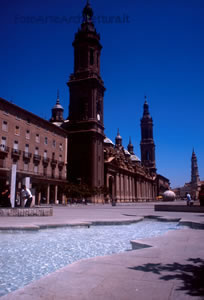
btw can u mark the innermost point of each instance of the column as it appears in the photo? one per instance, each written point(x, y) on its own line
point(127, 187)
point(124, 189)
point(121, 188)
point(63, 199)
point(56, 191)
point(13, 185)
point(117, 187)
point(39, 198)
point(130, 188)
point(48, 194)
point(133, 189)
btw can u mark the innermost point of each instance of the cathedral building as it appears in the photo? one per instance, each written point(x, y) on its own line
point(92, 157)
point(76, 149)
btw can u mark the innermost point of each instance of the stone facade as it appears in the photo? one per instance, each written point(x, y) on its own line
point(126, 179)
point(38, 149)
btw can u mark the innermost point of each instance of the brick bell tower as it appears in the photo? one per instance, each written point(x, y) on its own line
point(85, 122)
point(147, 145)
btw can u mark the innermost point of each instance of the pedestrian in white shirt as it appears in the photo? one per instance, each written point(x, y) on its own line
point(27, 196)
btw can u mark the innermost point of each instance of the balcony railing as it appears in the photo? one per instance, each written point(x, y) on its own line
point(36, 157)
point(4, 148)
point(27, 155)
point(53, 162)
point(16, 153)
point(46, 160)
point(60, 164)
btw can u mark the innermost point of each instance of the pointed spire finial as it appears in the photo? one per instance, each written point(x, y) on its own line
point(118, 139)
point(146, 107)
point(58, 101)
point(87, 13)
point(130, 147)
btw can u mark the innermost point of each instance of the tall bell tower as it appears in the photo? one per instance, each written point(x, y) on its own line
point(85, 122)
point(147, 145)
point(194, 169)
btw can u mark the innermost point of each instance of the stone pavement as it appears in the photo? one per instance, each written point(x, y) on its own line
point(172, 268)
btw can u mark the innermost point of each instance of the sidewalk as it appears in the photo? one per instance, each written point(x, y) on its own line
point(173, 268)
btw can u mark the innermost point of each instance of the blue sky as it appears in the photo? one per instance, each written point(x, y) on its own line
point(156, 50)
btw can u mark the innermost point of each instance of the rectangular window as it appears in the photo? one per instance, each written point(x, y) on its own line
point(15, 145)
point(60, 157)
point(36, 169)
point(46, 141)
point(27, 134)
point(25, 167)
point(5, 126)
point(3, 143)
point(37, 138)
point(3, 140)
point(26, 148)
point(17, 130)
point(36, 151)
point(45, 154)
point(45, 171)
point(53, 143)
point(60, 147)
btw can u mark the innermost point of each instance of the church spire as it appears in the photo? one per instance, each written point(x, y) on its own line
point(118, 140)
point(85, 128)
point(87, 13)
point(130, 147)
point(194, 169)
point(146, 108)
point(147, 145)
point(57, 112)
point(58, 100)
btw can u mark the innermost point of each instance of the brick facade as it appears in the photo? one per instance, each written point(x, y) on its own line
point(36, 146)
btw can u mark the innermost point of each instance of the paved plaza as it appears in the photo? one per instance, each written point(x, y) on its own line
point(172, 268)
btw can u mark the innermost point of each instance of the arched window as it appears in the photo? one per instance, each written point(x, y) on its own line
point(147, 155)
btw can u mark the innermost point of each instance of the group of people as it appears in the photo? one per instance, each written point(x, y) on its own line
point(23, 198)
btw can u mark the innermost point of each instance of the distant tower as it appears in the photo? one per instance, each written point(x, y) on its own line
point(147, 145)
point(130, 147)
point(194, 169)
point(118, 140)
point(57, 112)
point(85, 127)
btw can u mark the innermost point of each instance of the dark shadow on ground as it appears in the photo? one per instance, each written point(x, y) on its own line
point(191, 274)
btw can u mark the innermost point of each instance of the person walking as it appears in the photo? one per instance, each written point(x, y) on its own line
point(188, 196)
point(27, 196)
